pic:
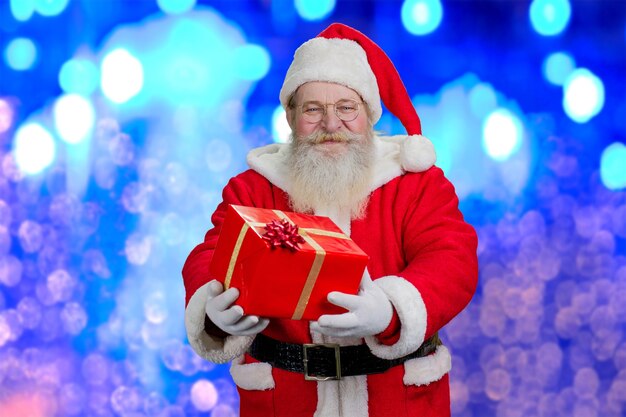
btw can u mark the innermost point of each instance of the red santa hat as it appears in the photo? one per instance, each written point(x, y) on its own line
point(343, 55)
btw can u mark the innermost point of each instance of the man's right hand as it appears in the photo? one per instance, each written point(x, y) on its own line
point(230, 318)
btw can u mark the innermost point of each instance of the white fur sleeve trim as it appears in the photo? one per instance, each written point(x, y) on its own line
point(422, 371)
point(252, 376)
point(212, 348)
point(408, 303)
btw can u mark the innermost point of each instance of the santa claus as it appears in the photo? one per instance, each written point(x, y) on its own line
point(383, 356)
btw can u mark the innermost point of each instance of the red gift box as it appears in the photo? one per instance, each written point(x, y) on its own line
point(285, 264)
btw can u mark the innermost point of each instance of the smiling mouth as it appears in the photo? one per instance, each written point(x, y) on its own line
point(331, 140)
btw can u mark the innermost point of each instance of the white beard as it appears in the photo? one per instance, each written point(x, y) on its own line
point(326, 181)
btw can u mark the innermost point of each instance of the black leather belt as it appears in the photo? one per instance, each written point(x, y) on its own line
point(323, 362)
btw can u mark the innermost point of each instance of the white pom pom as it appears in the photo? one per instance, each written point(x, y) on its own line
point(417, 154)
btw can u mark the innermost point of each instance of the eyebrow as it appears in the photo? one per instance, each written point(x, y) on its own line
point(336, 101)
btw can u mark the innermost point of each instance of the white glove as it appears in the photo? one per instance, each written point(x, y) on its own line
point(369, 312)
point(231, 319)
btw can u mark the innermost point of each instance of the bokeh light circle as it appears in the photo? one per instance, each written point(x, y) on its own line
point(74, 117)
point(22, 10)
point(79, 76)
point(121, 76)
point(557, 67)
point(314, 9)
point(421, 17)
point(34, 148)
point(613, 166)
point(502, 134)
point(280, 127)
point(204, 396)
point(176, 6)
point(50, 8)
point(6, 116)
point(20, 54)
point(550, 17)
point(583, 95)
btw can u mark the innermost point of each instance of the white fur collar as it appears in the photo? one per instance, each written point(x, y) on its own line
point(395, 155)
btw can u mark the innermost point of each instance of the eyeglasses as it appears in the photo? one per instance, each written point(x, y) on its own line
point(314, 111)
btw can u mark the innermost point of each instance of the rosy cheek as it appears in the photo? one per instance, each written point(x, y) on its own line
point(304, 128)
point(358, 126)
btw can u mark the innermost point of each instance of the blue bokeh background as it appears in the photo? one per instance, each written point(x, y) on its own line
point(121, 121)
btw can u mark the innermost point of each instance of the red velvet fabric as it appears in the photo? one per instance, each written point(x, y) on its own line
point(412, 229)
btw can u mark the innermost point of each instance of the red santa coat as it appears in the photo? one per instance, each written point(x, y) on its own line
point(423, 256)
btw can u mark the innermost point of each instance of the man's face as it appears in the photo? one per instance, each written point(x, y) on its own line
point(326, 93)
point(330, 159)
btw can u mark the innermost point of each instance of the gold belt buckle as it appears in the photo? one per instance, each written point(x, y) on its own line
point(334, 346)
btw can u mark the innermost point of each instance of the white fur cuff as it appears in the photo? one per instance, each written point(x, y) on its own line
point(422, 371)
point(214, 349)
point(408, 303)
point(252, 376)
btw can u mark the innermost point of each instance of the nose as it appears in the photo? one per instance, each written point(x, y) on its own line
point(330, 121)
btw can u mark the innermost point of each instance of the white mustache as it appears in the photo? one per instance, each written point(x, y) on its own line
point(321, 137)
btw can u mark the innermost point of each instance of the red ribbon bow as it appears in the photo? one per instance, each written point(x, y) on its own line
point(282, 233)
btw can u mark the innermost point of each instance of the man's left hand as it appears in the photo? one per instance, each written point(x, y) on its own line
point(369, 312)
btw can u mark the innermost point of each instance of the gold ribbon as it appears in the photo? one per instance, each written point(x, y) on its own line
point(314, 272)
point(320, 232)
point(233, 257)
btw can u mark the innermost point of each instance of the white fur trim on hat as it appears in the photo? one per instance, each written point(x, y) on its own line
point(340, 61)
point(214, 349)
point(252, 376)
point(422, 371)
point(408, 303)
